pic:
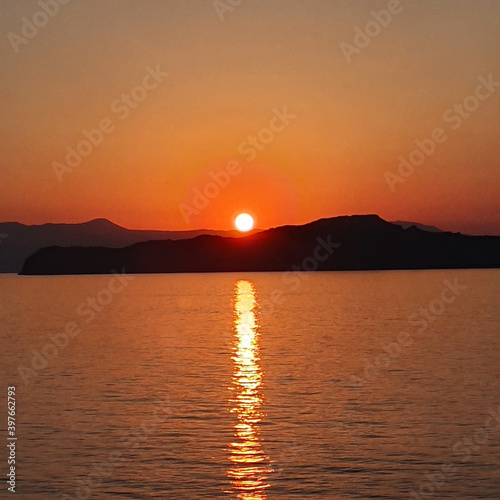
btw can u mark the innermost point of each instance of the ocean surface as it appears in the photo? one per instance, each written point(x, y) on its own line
point(254, 386)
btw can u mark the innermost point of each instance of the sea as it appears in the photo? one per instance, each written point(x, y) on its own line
point(252, 386)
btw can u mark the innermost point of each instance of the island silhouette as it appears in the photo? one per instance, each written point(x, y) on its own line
point(20, 241)
point(346, 243)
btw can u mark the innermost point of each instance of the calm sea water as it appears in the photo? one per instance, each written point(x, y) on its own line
point(255, 386)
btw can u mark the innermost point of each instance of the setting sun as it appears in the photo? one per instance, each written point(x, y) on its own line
point(244, 222)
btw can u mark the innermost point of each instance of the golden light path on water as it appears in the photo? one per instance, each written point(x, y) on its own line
point(248, 472)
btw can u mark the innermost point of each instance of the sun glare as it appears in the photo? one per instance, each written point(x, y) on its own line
point(244, 222)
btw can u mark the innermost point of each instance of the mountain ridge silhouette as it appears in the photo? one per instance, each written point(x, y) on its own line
point(23, 240)
point(362, 242)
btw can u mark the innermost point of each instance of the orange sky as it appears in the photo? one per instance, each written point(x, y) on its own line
point(227, 80)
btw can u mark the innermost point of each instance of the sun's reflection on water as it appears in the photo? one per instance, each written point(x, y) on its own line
point(249, 471)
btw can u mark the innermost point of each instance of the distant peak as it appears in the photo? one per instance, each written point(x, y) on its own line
point(362, 218)
point(368, 217)
point(101, 221)
point(423, 227)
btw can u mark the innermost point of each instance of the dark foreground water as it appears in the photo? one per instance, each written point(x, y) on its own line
point(254, 386)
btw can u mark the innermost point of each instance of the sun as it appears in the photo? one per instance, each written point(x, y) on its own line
point(244, 223)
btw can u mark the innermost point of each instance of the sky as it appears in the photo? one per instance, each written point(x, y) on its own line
point(290, 110)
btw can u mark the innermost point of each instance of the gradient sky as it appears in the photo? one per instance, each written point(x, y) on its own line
point(352, 120)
